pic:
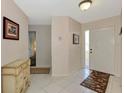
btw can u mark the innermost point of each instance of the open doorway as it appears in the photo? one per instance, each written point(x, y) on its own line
point(32, 47)
point(87, 49)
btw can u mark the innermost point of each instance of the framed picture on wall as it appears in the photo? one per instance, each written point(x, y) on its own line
point(75, 39)
point(10, 29)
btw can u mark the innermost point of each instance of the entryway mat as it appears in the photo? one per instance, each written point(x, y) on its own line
point(96, 81)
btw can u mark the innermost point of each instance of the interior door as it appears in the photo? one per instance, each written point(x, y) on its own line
point(102, 50)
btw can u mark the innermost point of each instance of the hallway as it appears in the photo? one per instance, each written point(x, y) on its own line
point(44, 83)
point(59, 45)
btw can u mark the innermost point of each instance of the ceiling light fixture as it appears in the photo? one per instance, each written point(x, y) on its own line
point(84, 5)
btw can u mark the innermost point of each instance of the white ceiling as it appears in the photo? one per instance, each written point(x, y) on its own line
point(41, 11)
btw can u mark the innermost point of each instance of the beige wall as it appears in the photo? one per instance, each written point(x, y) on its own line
point(74, 50)
point(60, 49)
point(65, 55)
point(43, 44)
point(14, 49)
point(114, 22)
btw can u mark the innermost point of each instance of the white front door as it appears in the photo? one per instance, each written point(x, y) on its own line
point(102, 50)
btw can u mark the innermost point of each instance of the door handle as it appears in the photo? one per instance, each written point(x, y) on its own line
point(91, 51)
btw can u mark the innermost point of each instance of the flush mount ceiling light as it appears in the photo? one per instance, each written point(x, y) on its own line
point(84, 5)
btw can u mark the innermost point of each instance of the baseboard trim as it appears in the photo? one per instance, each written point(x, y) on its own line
point(39, 70)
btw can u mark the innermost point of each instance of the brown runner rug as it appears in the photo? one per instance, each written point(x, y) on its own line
point(96, 81)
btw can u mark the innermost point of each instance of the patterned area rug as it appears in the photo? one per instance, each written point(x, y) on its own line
point(96, 81)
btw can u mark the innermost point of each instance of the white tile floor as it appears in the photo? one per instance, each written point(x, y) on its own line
point(43, 83)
